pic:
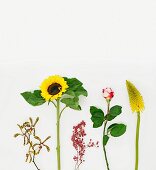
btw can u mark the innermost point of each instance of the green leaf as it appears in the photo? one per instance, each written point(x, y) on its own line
point(81, 91)
point(109, 117)
point(105, 140)
point(110, 127)
point(73, 83)
point(114, 112)
point(118, 130)
point(97, 116)
point(73, 103)
point(74, 90)
point(70, 93)
point(75, 87)
point(34, 98)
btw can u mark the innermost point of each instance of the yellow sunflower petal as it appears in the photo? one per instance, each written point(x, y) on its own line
point(135, 98)
point(53, 87)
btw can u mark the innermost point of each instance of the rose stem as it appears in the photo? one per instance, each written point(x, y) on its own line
point(104, 132)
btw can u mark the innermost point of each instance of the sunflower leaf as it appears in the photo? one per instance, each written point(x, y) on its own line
point(81, 91)
point(73, 103)
point(75, 87)
point(74, 91)
point(70, 93)
point(73, 83)
point(97, 116)
point(34, 98)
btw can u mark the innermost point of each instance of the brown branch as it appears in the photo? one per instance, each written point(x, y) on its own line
point(35, 162)
point(28, 140)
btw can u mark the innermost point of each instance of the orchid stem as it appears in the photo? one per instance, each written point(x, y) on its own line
point(58, 135)
point(137, 142)
point(28, 138)
point(35, 163)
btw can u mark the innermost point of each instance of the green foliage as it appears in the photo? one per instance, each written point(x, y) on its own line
point(34, 98)
point(114, 112)
point(73, 103)
point(118, 130)
point(110, 127)
point(75, 87)
point(105, 139)
point(97, 116)
point(73, 93)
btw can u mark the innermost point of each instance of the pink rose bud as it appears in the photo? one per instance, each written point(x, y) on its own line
point(108, 93)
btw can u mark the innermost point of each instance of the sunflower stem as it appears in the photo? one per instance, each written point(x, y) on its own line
point(54, 104)
point(137, 142)
point(62, 111)
point(58, 135)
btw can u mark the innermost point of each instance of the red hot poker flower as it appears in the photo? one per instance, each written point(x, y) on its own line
point(79, 143)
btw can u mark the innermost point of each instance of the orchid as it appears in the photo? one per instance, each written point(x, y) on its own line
point(31, 140)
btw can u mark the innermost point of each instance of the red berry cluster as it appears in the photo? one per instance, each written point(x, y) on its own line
point(79, 143)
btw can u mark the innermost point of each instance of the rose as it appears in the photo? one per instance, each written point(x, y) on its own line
point(108, 93)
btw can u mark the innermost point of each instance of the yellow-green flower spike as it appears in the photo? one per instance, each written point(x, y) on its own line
point(135, 98)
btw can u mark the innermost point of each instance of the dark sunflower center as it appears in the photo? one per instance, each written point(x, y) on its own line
point(54, 89)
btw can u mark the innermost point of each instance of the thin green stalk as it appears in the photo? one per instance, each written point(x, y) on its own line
point(104, 133)
point(106, 159)
point(58, 135)
point(62, 111)
point(137, 142)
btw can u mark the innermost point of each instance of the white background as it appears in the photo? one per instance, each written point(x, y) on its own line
point(102, 43)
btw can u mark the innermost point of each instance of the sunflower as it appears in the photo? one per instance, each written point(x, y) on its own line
point(53, 87)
